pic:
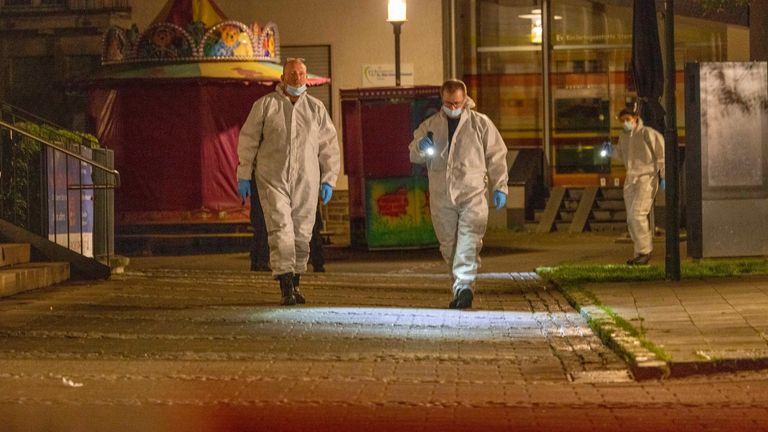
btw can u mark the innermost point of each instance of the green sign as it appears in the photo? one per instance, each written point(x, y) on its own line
point(397, 213)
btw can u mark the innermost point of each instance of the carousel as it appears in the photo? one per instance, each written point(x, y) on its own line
point(170, 101)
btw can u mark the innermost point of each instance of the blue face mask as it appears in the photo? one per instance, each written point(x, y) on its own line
point(295, 91)
point(452, 113)
point(628, 126)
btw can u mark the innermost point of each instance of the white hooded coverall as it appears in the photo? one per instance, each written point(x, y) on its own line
point(642, 152)
point(460, 176)
point(292, 148)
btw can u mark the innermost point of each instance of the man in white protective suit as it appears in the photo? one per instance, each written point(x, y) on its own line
point(465, 158)
point(641, 149)
point(291, 145)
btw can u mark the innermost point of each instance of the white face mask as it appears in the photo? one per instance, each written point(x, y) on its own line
point(455, 113)
point(295, 91)
point(628, 126)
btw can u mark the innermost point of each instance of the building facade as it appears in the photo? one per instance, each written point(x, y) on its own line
point(497, 49)
point(494, 45)
point(45, 44)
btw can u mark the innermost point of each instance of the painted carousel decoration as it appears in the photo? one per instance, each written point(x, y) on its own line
point(170, 101)
point(227, 40)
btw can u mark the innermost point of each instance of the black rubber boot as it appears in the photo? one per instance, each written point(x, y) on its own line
point(286, 289)
point(462, 300)
point(641, 259)
point(296, 293)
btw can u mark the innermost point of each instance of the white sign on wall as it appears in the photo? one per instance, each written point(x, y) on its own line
point(383, 75)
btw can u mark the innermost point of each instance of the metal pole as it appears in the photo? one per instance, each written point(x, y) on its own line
point(546, 50)
point(396, 27)
point(44, 216)
point(672, 259)
point(453, 39)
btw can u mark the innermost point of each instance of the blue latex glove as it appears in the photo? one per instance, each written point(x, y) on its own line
point(425, 143)
point(244, 187)
point(662, 184)
point(326, 191)
point(499, 199)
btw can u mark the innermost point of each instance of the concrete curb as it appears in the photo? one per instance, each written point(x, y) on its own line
point(686, 369)
point(644, 363)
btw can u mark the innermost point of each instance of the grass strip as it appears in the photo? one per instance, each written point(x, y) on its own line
point(700, 269)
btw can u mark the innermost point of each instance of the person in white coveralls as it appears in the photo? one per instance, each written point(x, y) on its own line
point(641, 149)
point(290, 145)
point(465, 158)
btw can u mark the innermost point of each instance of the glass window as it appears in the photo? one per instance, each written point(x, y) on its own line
point(590, 71)
point(502, 65)
point(591, 56)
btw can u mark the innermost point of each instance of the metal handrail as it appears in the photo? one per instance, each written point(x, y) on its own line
point(83, 222)
point(113, 172)
point(15, 113)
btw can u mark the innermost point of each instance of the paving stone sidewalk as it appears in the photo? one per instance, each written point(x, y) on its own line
point(704, 326)
point(518, 329)
point(211, 350)
point(683, 328)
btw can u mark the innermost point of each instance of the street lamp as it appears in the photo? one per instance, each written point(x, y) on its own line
point(396, 15)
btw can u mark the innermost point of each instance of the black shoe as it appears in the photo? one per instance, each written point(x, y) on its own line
point(463, 299)
point(286, 289)
point(296, 293)
point(641, 259)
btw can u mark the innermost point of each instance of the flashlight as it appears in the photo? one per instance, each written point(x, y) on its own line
point(605, 149)
point(431, 149)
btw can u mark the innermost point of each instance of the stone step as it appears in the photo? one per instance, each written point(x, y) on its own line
point(14, 253)
point(560, 226)
point(609, 215)
point(610, 204)
point(24, 277)
point(608, 226)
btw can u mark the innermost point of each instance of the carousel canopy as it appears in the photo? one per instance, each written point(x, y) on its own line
point(193, 39)
point(262, 72)
point(170, 102)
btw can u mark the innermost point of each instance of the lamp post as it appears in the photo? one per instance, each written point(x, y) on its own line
point(672, 258)
point(396, 15)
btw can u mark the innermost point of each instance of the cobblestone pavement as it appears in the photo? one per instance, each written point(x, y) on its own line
point(211, 350)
